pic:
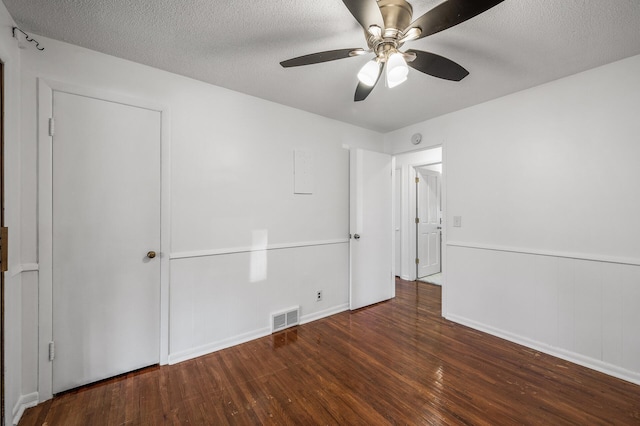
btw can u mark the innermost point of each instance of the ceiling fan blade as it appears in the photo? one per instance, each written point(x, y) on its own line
point(362, 91)
point(366, 12)
point(316, 58)
point(437, 66)
point(449, 14)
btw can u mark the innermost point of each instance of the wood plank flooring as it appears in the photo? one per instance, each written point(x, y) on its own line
point(397, 362)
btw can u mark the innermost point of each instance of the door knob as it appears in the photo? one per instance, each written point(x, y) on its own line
point(356, 236)
point(151, 254)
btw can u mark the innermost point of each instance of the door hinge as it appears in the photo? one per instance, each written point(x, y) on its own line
point(417, 220)
point(52, 351)
point(417, 180)
point(4, 249)
point(417, 261)
point(51, 126)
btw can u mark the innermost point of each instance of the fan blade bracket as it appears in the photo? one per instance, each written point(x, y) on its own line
point(410, 34)
point(359, 52)
point(409, 56)
point(375, 31)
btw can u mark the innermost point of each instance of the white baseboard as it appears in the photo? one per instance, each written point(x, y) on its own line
point(216, 346)
point(322, 314)
point(243, 338)
point(576, 358)
point(24, 402)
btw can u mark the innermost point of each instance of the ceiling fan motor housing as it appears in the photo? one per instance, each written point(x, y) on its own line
point(396, 14)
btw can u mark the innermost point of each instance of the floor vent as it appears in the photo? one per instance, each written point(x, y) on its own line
point(285, 319)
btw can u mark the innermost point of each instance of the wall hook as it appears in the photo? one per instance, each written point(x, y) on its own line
point(26, 36)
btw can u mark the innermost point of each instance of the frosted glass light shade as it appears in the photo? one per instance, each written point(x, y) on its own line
point(397, 70)
point(369, 73)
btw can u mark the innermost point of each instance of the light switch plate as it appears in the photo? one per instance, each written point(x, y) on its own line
point(457, 221)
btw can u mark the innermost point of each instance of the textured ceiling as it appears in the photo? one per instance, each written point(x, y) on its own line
point(239, 44)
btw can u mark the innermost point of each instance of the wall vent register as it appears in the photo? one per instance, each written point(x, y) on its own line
point(285, 319)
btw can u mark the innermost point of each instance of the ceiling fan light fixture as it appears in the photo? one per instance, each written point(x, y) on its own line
point(369, 73)
point(397, 70)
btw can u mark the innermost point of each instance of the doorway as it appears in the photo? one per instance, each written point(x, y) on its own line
point(405, 204)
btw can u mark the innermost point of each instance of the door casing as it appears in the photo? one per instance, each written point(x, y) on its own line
point(45, 215)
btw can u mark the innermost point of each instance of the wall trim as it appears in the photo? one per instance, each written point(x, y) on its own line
point(234, 250)
point(304, 319)
point(24, 267)
point(549, 253)
point(592, 363)
point(24, 402)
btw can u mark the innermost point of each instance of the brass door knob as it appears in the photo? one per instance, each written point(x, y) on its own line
point(151, 254)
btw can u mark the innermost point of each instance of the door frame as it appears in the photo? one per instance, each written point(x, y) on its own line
point(45, 219)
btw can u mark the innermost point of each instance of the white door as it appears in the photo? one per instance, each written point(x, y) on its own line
point(106, 218)
point(371, 246)
point(429, 227)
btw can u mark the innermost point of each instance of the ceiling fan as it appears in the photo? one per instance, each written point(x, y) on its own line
point(387, 26)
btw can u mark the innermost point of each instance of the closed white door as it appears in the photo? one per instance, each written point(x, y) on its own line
point(106, 218)
point(371, 246)
point(429, 227)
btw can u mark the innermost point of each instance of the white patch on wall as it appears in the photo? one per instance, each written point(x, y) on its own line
point(303, 173)
point(285, 319)
point(258, 267)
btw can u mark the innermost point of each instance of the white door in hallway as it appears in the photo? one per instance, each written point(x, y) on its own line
point(106, 221)
point(371, 227)
point(428, 227)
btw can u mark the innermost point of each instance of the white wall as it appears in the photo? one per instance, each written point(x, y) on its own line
point(546, 182)
point(242, 244)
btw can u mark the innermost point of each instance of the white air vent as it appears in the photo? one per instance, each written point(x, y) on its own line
point(285, 319)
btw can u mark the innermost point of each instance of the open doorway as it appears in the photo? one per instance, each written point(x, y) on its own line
point(408, 168)
point(428, 223)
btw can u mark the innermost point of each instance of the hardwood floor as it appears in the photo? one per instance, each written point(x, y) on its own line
point(397, 362)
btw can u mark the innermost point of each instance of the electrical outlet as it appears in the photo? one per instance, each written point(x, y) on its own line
point(318, 295)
